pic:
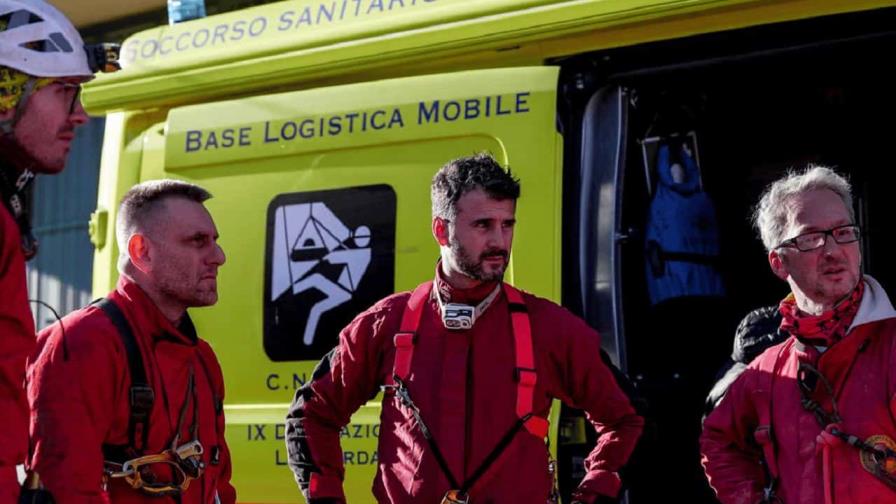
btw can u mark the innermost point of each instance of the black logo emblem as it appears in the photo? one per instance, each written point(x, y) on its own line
point(329, 256)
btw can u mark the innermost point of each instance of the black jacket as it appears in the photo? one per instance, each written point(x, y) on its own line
point(760, 329)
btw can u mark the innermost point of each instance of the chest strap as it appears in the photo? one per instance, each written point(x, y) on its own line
point(140, 395)
point(407, 334)
point(764, 434)
point(525, 374)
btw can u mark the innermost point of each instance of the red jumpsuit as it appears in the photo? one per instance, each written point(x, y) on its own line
point(78, 386)
point(862, 370)
point(463, 383)
point(16, 343)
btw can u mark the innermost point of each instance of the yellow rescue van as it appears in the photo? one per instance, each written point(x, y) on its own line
point(318, 124)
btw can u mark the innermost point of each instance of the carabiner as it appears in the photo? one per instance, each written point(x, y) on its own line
point(456, 497)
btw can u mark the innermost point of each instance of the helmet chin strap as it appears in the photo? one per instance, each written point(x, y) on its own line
point(14, 192)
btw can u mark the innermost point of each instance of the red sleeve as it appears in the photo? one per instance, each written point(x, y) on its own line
point(891, 376)
point(73, 382)
point(223, 486)
point(343, 381)
point(588, 384)
point(731, 460)
point(226, 491)
point(16, 343)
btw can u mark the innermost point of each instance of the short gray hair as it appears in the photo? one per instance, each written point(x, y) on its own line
point(140, 203)
point(770, 214)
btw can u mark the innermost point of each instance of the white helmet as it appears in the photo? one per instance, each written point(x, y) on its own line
point(56, 48)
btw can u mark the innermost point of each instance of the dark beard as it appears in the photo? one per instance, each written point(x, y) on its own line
point(473, 268)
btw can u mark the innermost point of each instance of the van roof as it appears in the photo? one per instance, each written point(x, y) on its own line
point(310, 43)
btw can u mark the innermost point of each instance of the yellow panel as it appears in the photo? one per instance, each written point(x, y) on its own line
point(510, 113)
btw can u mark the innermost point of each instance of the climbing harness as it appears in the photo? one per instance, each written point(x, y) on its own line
point(524, 374)
point(183, 460)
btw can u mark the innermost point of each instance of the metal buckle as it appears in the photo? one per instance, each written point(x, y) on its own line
point(189, 458)
point(142, 399)
point(191, 449)
point(456, 497)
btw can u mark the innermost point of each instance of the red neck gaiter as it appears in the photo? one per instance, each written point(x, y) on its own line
point(468, 296)
point(825, 329)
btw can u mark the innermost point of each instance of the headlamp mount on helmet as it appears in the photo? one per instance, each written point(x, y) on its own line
point(103, 57)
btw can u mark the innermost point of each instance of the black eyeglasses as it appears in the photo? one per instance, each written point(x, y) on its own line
point(816, 239)
point(73, 89)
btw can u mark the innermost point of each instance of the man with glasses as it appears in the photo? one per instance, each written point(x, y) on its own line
point(811, 420)
point(43, 62)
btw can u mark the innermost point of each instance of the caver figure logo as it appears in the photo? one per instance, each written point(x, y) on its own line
point(330, 255)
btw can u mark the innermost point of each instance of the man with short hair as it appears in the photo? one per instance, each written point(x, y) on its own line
point(470, 366)
point(811, 420)
point(127, 400)
point(43, 62)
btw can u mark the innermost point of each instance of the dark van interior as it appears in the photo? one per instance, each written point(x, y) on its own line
point(756, 103)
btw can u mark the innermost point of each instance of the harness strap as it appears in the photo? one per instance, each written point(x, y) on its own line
point(494, 454)
point(764, 434)
point(141, 396)
point(525, 374)
point(404, 397)
point(825, 442)
point(404, 339)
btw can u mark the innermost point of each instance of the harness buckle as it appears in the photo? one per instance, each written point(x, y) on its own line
point(191, 449)
point(404, 340)
point(456, 497)
point(401, 392)
point(525, 376)
point(769, 496)
point(142, 398)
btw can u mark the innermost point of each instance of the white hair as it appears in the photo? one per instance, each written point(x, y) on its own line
point(771, 213)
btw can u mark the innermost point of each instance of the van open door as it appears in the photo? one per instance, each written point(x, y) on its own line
point(321, 198)
point(604, 143)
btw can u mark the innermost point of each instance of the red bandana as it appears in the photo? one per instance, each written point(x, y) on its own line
point(825, 329)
